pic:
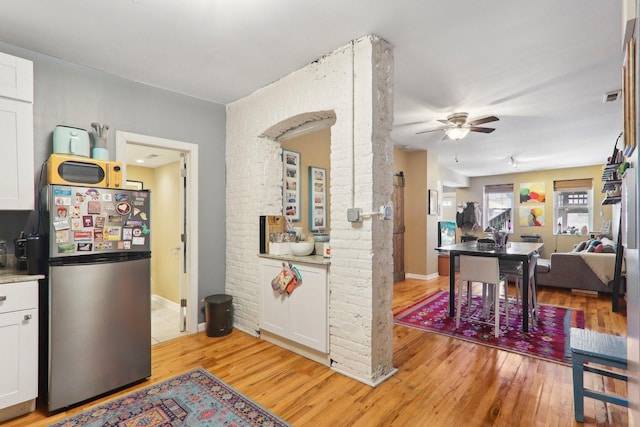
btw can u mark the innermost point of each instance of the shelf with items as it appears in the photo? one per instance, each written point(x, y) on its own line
point(610, 172)
point(611, 183)
point(611, 200)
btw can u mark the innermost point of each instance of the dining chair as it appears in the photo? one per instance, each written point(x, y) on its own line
point(512, 270)
point(485, 270)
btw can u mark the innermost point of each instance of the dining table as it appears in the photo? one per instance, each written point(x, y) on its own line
point(511, 251)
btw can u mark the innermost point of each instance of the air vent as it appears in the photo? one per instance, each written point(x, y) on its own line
point(612, 96)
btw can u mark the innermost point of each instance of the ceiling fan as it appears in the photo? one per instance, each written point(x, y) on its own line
point(458, 127)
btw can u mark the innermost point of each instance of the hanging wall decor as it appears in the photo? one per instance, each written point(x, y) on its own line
point(532, 192)
point(317, 198)
point(532, 216)
point(291, 184)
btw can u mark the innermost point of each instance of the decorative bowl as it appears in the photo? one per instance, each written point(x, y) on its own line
point(301, 248)
point(321, 237)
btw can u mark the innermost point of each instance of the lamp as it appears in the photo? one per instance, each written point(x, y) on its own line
point(457, 132)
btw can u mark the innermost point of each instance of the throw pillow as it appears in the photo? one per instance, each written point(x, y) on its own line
point(580, 246)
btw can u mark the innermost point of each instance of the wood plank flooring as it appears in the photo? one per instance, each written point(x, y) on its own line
point(441, 381)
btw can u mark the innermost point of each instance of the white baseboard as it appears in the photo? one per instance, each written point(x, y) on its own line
point(416, 276)
point(365, 380)
point(166, 303)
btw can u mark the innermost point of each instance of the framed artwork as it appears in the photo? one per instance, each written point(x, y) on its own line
point(532, 216)
point(135, 185)
point(629, 98)
point(532, 192)
point(433, 202)
point(291, 184)
point(317, 198)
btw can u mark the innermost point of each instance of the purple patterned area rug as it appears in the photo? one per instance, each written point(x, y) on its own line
point(548, 339)
point(195, 398)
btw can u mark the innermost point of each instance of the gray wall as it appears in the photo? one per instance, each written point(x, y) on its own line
point(69, 94)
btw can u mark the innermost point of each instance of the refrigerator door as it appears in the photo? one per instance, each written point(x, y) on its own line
point(100, 329)
point(89, 221)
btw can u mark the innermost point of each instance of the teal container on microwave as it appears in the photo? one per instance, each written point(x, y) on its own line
point(70, 140)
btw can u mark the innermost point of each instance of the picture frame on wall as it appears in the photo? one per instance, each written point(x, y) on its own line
point(317, 198)
point(291, 184)
point(433, 202)
point(629, 98)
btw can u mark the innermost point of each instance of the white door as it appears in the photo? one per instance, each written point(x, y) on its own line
point(183, 238)
point(188, 247)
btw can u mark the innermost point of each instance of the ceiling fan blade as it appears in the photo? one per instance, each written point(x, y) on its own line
point(479, 129)
point(483, 120)
point(445, 121)
point(430, 130)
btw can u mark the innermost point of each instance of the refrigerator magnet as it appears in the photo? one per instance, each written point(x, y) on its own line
point(87, 221)
point(84, 247)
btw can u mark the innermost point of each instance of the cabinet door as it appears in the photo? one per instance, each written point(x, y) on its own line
point(16, 161)
point(308, 308)
point(18, 357)
point(16, 78)
point(274, 314)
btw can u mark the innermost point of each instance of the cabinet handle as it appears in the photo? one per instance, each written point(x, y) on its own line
point(3, 298)
point(27, 317)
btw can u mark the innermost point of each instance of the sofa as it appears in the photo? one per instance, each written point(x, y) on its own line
point(587, 267)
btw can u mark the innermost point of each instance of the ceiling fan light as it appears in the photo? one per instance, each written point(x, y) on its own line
point(457, 132)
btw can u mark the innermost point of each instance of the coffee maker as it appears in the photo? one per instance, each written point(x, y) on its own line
point(20, 245)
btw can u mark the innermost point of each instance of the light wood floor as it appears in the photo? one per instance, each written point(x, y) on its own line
point(440, 381)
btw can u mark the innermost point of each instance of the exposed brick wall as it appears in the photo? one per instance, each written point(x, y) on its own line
point(355, 84)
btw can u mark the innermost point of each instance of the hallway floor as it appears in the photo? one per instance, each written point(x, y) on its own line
point(165, 323)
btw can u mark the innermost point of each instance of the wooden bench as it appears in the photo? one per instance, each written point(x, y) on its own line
point(603, 349)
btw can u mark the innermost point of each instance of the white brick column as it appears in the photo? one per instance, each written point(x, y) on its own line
point(355, 84)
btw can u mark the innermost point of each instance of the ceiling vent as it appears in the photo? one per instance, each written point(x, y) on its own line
point(612, 96)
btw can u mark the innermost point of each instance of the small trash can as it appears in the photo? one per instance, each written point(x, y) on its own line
point(218, 315)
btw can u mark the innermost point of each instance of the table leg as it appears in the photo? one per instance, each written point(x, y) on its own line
point(525, 294)
point(452, 283)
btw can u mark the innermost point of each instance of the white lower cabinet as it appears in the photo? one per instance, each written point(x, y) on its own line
point(19, 348)
point(301, 317)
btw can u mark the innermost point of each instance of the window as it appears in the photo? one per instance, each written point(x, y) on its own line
point(573, 206)
point(498, 207)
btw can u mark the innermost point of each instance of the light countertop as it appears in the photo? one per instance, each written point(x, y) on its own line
point(10, 274)
point(311, 259)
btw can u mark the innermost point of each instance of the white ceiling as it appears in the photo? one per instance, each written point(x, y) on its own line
point(541, 66)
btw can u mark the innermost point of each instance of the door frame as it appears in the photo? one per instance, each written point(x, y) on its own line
point(191, 153)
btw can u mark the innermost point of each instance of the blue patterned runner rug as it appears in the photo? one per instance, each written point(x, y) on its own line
point(195, 398)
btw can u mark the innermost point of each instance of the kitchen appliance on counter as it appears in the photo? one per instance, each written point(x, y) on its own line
point(71, 140)
point(73, 170)
point(96, 334)
point(20, 250)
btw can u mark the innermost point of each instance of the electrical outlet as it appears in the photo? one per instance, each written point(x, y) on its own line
point(388, 213)
point(353, 214)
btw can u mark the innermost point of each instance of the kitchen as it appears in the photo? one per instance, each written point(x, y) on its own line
point(65, 93)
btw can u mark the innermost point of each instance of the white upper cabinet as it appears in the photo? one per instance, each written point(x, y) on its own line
point(16, 133)
point(16, 78)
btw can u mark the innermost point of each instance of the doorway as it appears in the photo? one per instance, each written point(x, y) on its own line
point(180, 249)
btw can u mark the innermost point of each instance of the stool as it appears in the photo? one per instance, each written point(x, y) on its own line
point(603, 349)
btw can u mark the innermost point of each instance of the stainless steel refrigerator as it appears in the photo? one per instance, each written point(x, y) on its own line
point(98, 293)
